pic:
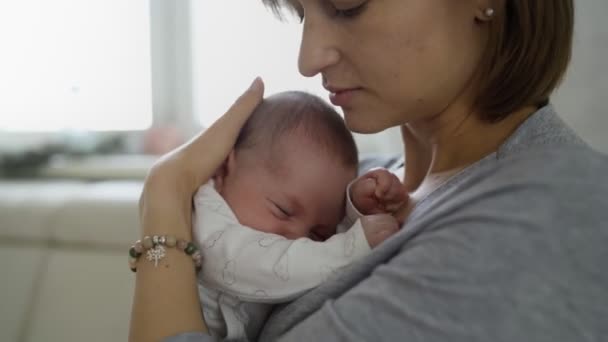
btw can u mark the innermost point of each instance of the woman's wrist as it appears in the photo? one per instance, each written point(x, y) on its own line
point(166, 218)
point(165, 206)
point(166, 297)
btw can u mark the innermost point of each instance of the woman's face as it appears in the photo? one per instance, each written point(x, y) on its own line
point(391, 62)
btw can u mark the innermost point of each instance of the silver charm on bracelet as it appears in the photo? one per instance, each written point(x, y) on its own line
point(155, 254)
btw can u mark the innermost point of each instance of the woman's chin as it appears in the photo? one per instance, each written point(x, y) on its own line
point(363, 125)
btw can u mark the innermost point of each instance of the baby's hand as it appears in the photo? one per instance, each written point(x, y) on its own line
point(378, 228)
point(377, 192)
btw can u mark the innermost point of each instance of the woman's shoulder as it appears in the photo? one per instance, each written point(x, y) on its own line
point(577, 169)
point(549, 190)
point(543, 175)
point(542, 130)
point(545, 150)
point(543, 161)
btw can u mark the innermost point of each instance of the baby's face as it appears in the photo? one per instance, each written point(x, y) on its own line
point(303, 198)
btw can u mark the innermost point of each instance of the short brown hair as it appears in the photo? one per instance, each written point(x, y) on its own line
point(295, 112)
point(529, 49)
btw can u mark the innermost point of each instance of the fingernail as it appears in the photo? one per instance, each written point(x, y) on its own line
point(256, 84)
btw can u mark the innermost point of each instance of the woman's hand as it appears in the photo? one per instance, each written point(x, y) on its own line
point(166, 298)
point(175, 178)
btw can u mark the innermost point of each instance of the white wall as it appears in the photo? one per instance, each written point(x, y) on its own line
point(581, 100)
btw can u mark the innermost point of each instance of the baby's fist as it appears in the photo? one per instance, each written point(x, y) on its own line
point(377, 192)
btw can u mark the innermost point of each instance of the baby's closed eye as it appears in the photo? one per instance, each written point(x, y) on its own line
point(279, 211)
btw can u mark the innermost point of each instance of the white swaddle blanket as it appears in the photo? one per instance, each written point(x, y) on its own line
point(245, 271)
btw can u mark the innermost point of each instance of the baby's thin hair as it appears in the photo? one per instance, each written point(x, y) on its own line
point(296, 112)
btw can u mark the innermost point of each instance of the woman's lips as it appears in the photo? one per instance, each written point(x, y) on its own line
point(343, 97)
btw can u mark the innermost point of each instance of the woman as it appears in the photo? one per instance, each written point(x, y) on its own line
point(504, 235)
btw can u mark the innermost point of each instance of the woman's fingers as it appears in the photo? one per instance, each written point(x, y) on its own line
point(242, 108)
point(224, 131)
point(206, 152)
point(179, 173)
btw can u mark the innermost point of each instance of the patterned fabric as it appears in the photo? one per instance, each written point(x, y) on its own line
point(245, 271)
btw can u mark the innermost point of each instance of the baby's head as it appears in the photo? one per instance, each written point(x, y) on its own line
point(290, 167)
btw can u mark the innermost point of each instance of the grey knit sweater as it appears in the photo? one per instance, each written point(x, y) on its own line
point(510, 249)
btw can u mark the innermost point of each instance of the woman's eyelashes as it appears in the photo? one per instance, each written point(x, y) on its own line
point(350, 12)
point(299, 13)
point(295, 7)
point(337, 11)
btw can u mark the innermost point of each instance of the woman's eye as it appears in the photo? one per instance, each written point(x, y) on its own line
point(350, 12)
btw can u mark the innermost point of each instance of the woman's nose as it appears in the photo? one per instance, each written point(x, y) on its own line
point(317, 49)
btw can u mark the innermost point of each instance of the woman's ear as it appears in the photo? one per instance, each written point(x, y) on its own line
point(224, 171)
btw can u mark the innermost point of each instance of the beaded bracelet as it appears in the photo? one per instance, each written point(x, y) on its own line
point(154, 247)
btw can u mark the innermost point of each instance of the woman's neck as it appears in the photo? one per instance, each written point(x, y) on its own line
point(437, 148)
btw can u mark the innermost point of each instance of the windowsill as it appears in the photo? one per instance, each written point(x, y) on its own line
point(102, 167)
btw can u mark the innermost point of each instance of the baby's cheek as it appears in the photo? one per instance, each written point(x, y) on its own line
point(268, 224)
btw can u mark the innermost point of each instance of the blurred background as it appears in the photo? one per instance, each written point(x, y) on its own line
point(93, 91)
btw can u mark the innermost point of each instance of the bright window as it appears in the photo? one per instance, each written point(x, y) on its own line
point(75, 65)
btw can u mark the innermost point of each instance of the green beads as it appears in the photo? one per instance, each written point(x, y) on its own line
point(190, 248)
point(133, 253)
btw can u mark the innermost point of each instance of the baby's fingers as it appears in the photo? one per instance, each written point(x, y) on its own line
point(396, 193)
point(366, 187)
point(393, 207)
point(383, 183)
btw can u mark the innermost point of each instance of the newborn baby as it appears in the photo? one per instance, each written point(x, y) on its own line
point(267, 223)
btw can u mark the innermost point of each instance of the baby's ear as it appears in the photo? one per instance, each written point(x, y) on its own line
point(224, 171)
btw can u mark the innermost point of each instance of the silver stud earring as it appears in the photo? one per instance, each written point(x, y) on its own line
point(489, 12)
